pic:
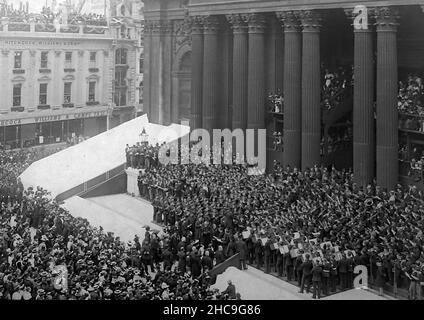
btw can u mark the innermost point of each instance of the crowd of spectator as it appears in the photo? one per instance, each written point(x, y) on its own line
point(335, 82)
point(410, 104)
point(47, 254)
point(278, 141)
point(338, 139)
point(292, 222)
point(410, 97)
point(142, 155)
point(48, 16)
point(276, 102)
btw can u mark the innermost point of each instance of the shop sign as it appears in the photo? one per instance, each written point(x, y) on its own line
point(52, 118)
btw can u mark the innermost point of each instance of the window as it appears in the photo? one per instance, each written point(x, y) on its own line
point(120, 97)
point(43, 93)
point(141, 63)
point(44, 59)
point(67, 96)
point(121, 56)
point(93, 56)
point(120, 77)
point(92, 91)
point(68, 57)
point(18, 60)
point(17, 90)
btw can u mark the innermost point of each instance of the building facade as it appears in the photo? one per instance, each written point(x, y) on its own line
point(62, 80)
point(216, 63)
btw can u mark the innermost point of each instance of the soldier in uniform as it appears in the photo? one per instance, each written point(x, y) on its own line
point(316, 280)
point(333, 274)
point(306, 267)
point(342, 267)
point(140, 183)
point(289, 265)
point(298, 268)
point(326, 269)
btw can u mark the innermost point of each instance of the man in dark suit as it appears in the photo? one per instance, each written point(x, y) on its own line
point(241, 248)
point(306, 267)
point(207, 263)
point(219, 255)
point(316, 280)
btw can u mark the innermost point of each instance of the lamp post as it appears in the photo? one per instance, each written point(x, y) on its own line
point(144, 137)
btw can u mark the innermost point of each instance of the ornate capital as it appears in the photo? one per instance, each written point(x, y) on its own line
point(32, 53)
point(57, 53)
point(196, 23)
point(211, 24)
point(256, 22)
point(106, 53)
point(237, 22)
point(289, 20)
point(386, 18)
point(155, 27)
point(81, 53)
point(166, 27)
point(310, 20)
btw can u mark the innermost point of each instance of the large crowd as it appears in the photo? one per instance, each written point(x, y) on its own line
point(293, 222)
point(46, 253)
point(48, 16)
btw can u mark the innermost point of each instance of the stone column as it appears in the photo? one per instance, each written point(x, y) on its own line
point(210, 73)
point(387, 90)
point(292, 89)
point(156, 76)
point(363, 105)
point(196, 72)
point(240, 64)
point(256, 75)
point(311, 89)
point(166, 50)
point(147, 65)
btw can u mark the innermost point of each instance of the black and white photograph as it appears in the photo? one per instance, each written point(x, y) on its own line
point(204, 152)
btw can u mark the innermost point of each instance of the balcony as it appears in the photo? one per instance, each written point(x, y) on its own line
point(94, 30)
point(18, 71)
point(43, 107)
point(16, 26)
point(92, 103)
point(45, 70)
point(93, 70)
point(68, 105)
point(45, 28)
point(17, 109)
point(69, 70)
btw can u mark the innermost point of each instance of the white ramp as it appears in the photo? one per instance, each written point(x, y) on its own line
point(121, 214)
point(90, 159)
